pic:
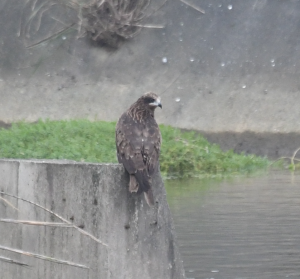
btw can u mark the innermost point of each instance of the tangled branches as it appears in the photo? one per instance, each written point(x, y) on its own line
point(111, 21)
point(107, 22)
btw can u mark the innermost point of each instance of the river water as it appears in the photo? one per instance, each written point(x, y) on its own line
point(239, 228)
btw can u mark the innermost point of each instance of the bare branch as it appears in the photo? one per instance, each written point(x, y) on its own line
point(59, 217)
point(148, 26)
point(51, 37)
point(36, 223)
point(193, 6)
point(42, 257)
point(293, 158)
point(8, 260)
point(10, 204)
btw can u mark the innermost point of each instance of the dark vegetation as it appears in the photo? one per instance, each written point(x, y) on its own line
point(110, 22)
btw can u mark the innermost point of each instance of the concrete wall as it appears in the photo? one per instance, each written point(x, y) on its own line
point(233, 69)
point(93, 196)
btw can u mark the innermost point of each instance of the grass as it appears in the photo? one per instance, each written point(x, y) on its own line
point(183, 154)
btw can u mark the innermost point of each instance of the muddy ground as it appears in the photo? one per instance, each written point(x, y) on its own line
point(271, 145)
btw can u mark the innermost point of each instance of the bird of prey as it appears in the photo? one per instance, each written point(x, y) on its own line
point(138, 141)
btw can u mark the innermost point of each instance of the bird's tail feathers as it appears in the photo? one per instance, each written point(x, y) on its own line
point(133, 184)
point(143, 180)
point(149, 197)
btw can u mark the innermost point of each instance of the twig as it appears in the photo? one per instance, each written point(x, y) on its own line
point(39, 16)
point(285, 158)
point(59, 217)
point(42, 7)
point(8, 260)
point(193, 6)
point(35, 11)
point(10, 204)
point(58, 20)
point(154, 11)
point(36, 223)
point(52, 36)
point(293, 158)
point(157, 26)
point(42, 257)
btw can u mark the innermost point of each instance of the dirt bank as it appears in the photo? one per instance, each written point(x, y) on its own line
point(271, 145)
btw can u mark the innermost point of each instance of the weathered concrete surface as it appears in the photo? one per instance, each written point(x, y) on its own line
point(94, 196)
point(233, 69)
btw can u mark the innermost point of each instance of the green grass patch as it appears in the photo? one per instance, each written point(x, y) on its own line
point(183, 154)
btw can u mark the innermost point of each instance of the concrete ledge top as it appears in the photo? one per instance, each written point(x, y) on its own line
point(59, 162)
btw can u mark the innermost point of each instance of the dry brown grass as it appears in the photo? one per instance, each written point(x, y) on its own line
point(106, 22)
point(111, 21)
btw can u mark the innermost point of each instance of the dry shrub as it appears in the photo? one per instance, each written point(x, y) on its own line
point(108, 22)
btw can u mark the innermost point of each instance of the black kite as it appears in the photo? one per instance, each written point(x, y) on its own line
point(138, 141)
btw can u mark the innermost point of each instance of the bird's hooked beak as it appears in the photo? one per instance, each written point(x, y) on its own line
point(156, 103)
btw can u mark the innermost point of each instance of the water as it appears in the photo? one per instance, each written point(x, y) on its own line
point(243, 228)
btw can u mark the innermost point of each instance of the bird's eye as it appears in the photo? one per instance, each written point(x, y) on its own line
point(150, 100)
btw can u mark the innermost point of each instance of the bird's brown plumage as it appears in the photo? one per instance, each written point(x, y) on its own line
point(138, 141)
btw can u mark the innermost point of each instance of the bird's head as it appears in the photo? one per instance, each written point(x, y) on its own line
point(144, 106)
point(151, 100)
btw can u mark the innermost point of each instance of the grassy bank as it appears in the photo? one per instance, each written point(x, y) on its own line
point(184, 154)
